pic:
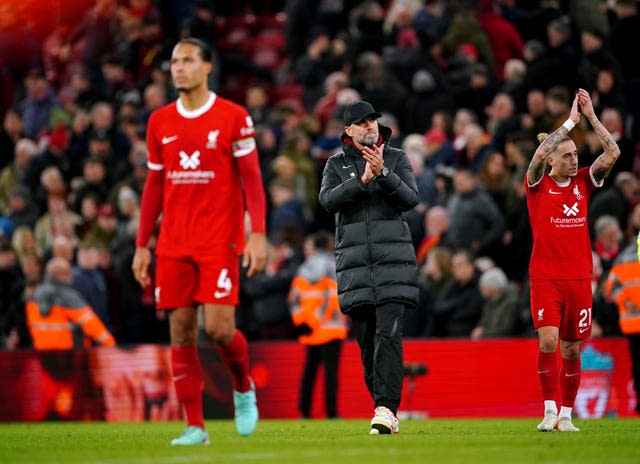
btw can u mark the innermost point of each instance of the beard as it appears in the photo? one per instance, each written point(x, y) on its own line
point(369, 140)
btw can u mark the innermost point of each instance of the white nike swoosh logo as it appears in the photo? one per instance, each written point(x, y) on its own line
point(221, 294)
point(166, 140)
point(584, 330)
point(179, 377)
point(542, 372)
point(571, 375)
point(554, 193)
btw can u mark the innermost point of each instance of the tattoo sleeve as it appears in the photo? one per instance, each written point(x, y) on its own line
point(537, 165)
point(603, 164)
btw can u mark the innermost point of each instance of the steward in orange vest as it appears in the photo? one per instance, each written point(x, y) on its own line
point(58, 317)
point(623, 288)
point(313, 300)
point(313, 304)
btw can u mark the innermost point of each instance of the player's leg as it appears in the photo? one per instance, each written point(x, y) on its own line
point(219, 324)
point(575, 326)
point(175, 283)
point(187, 375)
point(569, 383)
point(545, 312)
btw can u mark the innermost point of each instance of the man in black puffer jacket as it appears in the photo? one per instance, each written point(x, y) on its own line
point(369, 187)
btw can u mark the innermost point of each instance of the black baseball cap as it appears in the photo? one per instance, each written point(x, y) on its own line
point(358, 111)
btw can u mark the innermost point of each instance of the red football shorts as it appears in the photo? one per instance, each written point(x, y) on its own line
point(183, 282)
point(562, 303)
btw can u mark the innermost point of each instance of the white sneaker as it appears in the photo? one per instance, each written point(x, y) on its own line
point(384, 422)
point(565, 425)
point(549, 422)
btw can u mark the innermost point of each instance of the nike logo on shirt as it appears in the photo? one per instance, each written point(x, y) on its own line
point(166, 140)
point(554, 192)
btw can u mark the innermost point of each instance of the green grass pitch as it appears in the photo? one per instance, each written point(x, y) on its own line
point(431, 441)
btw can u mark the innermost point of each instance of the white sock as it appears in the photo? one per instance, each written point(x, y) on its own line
point(550, 405)
point(565, 412)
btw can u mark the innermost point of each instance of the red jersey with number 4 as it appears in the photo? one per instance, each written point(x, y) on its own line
point(558, 217)
point(202, 205)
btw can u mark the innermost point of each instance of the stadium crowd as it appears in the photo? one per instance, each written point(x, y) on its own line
point(464, 85)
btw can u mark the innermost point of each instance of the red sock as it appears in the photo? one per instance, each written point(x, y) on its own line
point(236, 356)
point(187, 378)
point(548, 375)
point(569, 381)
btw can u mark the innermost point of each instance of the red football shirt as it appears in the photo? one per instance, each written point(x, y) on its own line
point(558, 217)
point(202, 204)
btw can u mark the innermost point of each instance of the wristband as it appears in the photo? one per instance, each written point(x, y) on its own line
point(568, 124)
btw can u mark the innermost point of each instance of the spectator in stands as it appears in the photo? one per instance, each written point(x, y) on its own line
point(500, 309)
point(563, 53)
point(268, 290)
point(99, 30)
point(38, 105)
point(22, 210)
point(57, 314)
point(429, 95)
point(324, 108)
point(506, 42)
point(476, 221)
point(501, 119)
point(58, 219)
point(608, 241)
point(536, 119)
point(93, 182)
point(616, 200)
point(433, 279)
point(287, 209)
point(90, 282)
point(13, 174)
point(496, 179)
point(54, 156)
point(104, 230)
point(10, 133)
point(13, 328)
point(459, 307)
point(611, 119)
point(595, 57)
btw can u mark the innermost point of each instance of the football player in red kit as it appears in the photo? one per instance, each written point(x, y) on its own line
point(203, 175)
point(561, 264)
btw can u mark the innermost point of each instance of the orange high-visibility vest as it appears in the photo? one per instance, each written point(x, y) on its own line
point(623, 288)
point(317, 306)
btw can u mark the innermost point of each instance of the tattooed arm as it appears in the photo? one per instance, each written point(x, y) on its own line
point(603, 164)
point(539, 160)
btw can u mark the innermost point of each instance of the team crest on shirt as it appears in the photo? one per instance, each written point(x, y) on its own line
point(576, 192)
point(540, 314)
point(212, 139)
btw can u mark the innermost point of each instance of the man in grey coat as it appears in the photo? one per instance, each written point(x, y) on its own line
point(369, 187)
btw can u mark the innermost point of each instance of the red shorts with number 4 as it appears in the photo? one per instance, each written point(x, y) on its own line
point(182, 282)
point(562, 303)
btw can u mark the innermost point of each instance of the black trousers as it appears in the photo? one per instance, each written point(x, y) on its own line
point(378, 331)
point(634, 351)
point(327, 355)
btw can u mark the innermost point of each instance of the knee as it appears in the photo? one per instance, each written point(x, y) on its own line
point(548, 343)
point(220, 333)
point(182, 334)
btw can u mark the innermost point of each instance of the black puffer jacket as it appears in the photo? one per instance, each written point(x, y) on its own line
point(375, 258)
